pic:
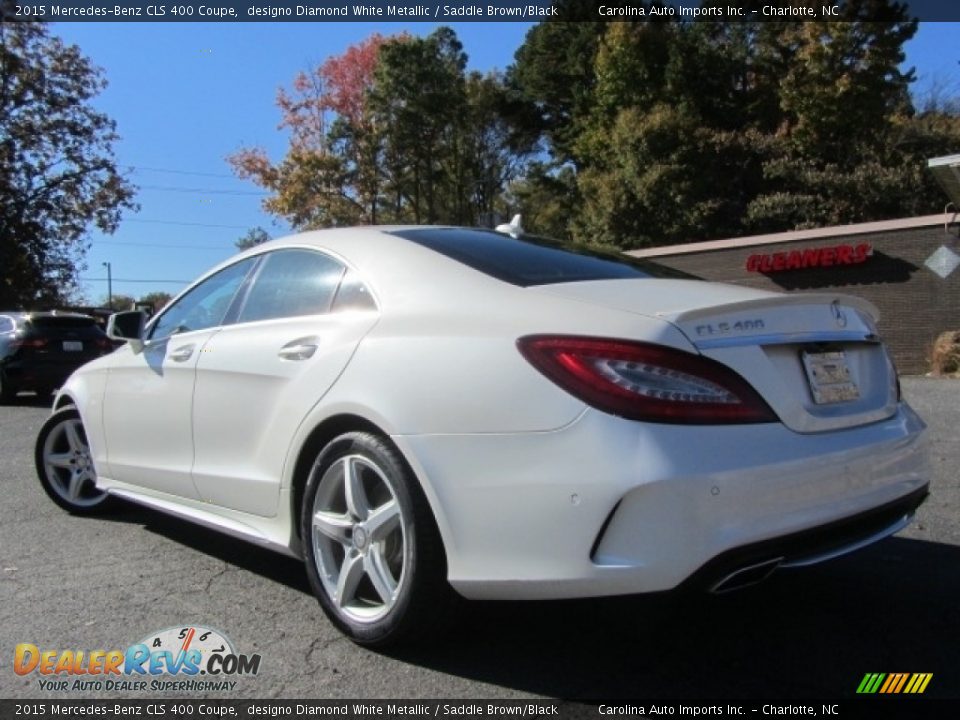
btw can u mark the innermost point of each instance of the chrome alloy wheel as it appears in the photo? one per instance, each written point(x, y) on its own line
point(68, 465)
point(359, 537)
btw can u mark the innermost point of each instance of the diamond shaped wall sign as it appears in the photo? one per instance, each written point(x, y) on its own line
point(943, 261)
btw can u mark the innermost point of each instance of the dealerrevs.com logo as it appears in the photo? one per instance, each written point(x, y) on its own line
point(178, 659)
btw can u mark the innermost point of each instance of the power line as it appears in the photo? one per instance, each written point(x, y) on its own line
point(192, 224)
point(181, 172)
point(161, 245)
point(136, 280)
point(205, 191)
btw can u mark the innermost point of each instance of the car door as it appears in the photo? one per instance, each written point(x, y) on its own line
point(147, 404)
point(257, 378)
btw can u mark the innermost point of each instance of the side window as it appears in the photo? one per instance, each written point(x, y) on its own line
point(353, 295)
point(206, 305)
point(292, 283)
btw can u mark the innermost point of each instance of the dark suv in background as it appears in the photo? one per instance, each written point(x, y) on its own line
point(39, 350)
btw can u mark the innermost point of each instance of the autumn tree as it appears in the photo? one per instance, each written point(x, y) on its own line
point(356, 133)
point(393, 131)
point(331, 173)
point(58, 176)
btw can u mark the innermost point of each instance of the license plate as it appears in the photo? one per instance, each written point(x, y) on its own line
point(72, 346)
point(829, 376)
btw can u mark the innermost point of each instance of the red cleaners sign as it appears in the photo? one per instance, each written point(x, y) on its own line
point(837, 255)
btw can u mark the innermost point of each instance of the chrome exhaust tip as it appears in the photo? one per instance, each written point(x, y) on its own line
point(746, 576)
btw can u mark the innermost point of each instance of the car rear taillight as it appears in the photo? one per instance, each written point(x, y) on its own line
point(35, 343)
point(648, 382)
point(103, 345)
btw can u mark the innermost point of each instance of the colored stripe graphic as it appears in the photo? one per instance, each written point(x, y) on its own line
point(919, 681)
point(903, 679)
point(870, 683)
point(894, 683)
point(892, 679)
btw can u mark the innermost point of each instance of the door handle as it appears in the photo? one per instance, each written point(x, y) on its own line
point(300, 349)
point(182, 353)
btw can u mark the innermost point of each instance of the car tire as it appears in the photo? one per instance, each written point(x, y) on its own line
point(373, 553)
point(65, 466)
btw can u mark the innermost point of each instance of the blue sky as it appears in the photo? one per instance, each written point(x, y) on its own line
point(186, 95)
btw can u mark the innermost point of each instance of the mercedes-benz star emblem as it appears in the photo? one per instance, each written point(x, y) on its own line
point(838, 314)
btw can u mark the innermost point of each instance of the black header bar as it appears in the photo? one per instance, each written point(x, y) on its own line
point(913, 707)
point(450, 11)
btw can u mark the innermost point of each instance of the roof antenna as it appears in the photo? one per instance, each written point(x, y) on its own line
point(513, 228)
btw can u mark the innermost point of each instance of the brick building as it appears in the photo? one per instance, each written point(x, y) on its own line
point(909, 269)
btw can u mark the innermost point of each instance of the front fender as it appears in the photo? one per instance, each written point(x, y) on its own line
point(85, 390)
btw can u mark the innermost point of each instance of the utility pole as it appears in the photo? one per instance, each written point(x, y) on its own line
point(109, 285)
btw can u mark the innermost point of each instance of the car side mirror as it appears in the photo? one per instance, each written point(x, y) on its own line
point(128, 326)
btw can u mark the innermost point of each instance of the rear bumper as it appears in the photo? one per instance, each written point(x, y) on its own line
point(750, 563)
point(607, 506)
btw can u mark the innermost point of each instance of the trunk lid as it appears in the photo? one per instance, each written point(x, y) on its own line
point(815, 358)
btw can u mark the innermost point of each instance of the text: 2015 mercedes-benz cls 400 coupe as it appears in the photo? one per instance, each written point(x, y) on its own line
point(418, 411)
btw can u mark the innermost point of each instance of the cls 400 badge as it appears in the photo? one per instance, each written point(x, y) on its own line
point(724, 328)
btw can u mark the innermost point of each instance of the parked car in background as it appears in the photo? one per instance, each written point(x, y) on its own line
point(421, 410)
point(39, 350)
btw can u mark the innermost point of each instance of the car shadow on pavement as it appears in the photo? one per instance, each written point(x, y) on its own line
point(810, 633)
point(805, 633)
point(240, 554)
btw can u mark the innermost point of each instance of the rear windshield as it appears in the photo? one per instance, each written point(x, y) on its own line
point(531, 260)
point(61, 321)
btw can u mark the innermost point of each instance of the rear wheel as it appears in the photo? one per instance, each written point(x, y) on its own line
point(372, 549)
point(65, 465)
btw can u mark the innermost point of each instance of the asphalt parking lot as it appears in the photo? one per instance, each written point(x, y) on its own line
point(71, 583)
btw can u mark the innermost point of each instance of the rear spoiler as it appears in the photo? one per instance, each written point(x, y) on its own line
point(778, 300)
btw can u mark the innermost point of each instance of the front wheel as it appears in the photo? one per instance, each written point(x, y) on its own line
point(372, 549)
point(65, 465)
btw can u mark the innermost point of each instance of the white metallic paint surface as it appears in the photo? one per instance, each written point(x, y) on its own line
point(521, 476)
point(150, 396)
point(247, 397)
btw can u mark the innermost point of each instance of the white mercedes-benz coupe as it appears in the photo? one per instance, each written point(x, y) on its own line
point(421, 410)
